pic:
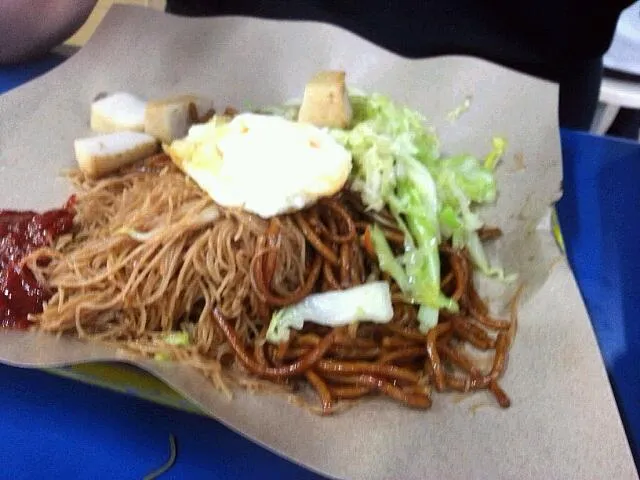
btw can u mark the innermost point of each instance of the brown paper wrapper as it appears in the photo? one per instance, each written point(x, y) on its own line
point(563, 422)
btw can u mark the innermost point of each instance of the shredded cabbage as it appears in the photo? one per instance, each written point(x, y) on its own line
point(398, 164)
point(179, 339)
point(427, 318)
point(176, 338)
point(454, 114)
point(499, 145)
point(370, 302)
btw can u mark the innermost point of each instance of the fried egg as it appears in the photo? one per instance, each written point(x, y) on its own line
point(263, 164)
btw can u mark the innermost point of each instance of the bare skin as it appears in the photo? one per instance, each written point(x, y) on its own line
point(32, 28)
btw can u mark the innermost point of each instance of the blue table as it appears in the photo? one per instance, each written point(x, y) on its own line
point(71, 430)
point(600, 219)
point(12, 76)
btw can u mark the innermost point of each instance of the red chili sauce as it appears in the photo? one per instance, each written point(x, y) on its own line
point(22, 232)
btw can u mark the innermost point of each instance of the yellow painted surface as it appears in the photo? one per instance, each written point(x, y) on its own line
point(126, 379)
point(82, 35)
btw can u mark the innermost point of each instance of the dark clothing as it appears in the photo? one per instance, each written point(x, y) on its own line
point(559, 40)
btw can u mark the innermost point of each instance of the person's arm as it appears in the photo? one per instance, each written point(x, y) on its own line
point(31, 28)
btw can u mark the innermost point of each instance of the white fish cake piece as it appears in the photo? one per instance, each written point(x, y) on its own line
point(103, 154)
point(117, 112)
